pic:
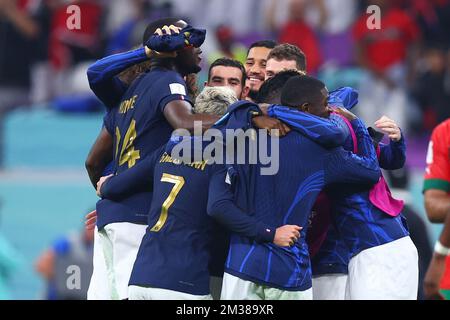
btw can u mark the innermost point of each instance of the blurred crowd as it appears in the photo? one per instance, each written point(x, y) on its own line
point(402, 69)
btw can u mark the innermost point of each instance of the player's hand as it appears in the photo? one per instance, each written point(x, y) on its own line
point(389, 127)
point(166, 30)
point(91, 220)
point(433, 277)
point(345, 113)
point(268, 123)
point(100, 184)
point(287, 235)
point(169, 39)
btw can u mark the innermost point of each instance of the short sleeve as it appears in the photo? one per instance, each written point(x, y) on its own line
point(170, 88)
point(437, 173)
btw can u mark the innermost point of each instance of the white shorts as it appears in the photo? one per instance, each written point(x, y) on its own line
point(234, 288)
point(329, 286)
point(99, 286)
point(120, 243)
point(386, 272)
point(141, 293)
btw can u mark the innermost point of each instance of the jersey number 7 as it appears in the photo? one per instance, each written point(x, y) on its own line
point(178, 184)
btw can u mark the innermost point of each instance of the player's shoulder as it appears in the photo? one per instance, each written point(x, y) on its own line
point(443, 128)
point(165, 75)
point(441, 134)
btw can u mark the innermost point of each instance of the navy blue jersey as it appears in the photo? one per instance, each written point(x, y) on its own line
point(333, 256)
point(139, 128)
point(287, 198)
point(176, 252)
point(103, 75)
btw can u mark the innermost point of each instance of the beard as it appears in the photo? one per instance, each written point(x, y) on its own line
point(186, 69)
point(253, 94)
point(195, 69)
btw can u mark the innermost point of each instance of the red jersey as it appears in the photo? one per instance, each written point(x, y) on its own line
point(301, 35)
point(437, 173)
point(388, 45)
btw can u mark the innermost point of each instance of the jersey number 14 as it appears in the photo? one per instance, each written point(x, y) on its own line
point(127, 153)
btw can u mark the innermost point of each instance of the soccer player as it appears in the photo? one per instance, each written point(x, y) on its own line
point(437, 267)
point(333, 259)
point(150, 108)
point(255, 66)
point(226, 72)
point(437, 204)
point(330, 264)
point(285, 57)
point(174, 256)
point(263, 270)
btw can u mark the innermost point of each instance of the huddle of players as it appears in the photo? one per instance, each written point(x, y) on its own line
point(165, 226)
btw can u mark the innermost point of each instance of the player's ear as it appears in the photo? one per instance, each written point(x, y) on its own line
point(305, 107)
point(245, 92)
point(206, 84)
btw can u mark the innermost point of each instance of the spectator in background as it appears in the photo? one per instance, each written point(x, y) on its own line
point(10, 260)
point(436, 188)
point(129, 34)
point(332, 20)
point(298, 33)
point(432, 87)
point(382, 53)
point(74, 249)
point(18, 32)
point(227, 46)
point(433, 17)
point(71, 50)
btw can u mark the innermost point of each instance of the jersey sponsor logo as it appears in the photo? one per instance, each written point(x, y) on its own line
point(177, 88)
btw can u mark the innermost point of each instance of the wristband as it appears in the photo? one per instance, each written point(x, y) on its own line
point(440, 249)
point(255, 114)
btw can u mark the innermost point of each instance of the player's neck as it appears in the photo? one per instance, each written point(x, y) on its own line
point(162, 63)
